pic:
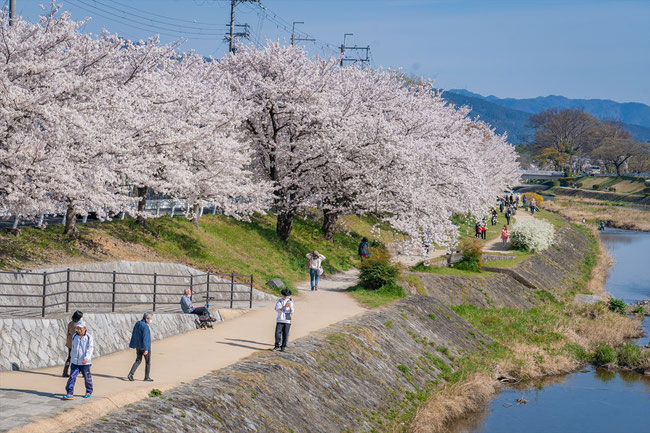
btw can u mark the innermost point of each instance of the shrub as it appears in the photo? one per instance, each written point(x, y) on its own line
point(604, 354)
point(531, 195)
point(612, 188)
point(377, 270)
point(595, 187)
point(579, 184)
point(155, 393)
point(566, 181)
point(471, 251)
point(535, 235)
point(629, 355)
point(617, 305)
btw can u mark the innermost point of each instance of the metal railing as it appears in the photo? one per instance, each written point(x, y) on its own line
point(51, 291)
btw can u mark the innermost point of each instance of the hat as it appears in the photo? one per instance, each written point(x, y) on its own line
point(81, 324)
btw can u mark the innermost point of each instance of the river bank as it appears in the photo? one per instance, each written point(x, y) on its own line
point(549, 340)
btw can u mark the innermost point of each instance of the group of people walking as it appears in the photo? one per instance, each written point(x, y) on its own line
point(80, 342)
point(81, 345)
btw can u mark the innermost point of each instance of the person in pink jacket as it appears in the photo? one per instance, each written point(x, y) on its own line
point(505, 235)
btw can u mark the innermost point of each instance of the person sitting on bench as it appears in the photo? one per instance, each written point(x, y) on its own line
point(189, 308)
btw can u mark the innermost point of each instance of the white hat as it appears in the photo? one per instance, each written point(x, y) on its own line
point(81, 324)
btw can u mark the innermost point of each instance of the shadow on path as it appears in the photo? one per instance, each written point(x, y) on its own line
point(58, 396)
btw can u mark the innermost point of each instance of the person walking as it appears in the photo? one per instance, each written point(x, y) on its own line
point(508, 214)
point(483, 231)
point(504, 235)
point(315, 268)
point(477, 230)
point(141, 342)
point(72, 330)
point(364, 248)
point(533, 206)
point(81, 358)
point(285, 309)
point(494, 217)
point(501, 205)
point(524, 202)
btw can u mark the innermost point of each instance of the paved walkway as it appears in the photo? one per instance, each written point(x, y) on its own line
point(495, 245)
point(30, 401)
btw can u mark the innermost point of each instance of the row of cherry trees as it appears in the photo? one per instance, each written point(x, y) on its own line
point(265, 129)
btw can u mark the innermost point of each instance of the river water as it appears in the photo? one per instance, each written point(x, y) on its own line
point(594, 400)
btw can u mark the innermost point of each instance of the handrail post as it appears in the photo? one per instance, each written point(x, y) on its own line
point(207, 291)
point(44, 290)
point(251, 298)
point(191, 282)
point(113, 300)
point(232, 287)
point(67, 290)
point(155, 278)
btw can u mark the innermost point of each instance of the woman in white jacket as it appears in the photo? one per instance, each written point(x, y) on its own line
point(315, 269)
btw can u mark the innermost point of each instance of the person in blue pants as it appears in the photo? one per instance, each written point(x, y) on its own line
point(80, 360)
point(315, 269)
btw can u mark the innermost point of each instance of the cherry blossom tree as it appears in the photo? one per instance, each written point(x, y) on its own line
point(284, 93)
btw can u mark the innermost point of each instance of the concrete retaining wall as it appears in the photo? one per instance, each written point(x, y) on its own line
point(35, 343)
point(131, 284)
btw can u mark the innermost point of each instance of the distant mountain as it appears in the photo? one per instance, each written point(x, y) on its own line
point(511, 115)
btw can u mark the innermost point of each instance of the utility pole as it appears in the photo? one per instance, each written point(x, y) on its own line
point(12, 11)
point(232, 35)
point(362, 53)
point(345, 35)
point(293, 34)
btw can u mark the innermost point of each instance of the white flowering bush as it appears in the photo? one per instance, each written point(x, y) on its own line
point(535, 235)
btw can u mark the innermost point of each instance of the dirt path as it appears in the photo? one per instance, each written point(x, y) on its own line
point(30, 401)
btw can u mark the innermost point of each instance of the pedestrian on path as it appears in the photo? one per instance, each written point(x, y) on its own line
point(315, 268)
point(508, 214)
point(141, 342)
point(483, 231)
point(285, 309)
point(81, 358)
point(477, 230)
point(72, 330)
point(504, 235)
point(364, 247)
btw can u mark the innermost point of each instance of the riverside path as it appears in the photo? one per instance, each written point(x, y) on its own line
point(30, 401)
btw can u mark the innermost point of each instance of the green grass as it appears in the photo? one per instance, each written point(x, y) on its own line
point(509, 260)
point(557, 221)
point(376, 298)
point(221, 244)
point(442, 270)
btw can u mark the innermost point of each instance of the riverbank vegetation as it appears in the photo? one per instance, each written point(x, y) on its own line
point(554, 337)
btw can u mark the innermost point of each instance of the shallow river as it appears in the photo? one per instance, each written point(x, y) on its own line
point(593, 401)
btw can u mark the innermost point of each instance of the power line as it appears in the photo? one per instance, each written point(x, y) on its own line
point(155, 27)
point(165, 17)
point(112, 18)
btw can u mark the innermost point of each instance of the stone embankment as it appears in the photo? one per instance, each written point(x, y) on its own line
point(30, 341)
point(40, 342)
point(553, 270)
point(627, 199)
point(353, 376)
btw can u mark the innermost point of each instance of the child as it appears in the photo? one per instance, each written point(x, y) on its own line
point(81, 356)
point(72, 329)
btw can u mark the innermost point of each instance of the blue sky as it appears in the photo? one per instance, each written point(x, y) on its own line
point(518, 48)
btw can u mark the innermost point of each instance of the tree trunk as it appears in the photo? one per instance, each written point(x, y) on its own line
point(329, 224)
point(70, 221)
point(195, 215)
point(142, 193)
point(284, 225)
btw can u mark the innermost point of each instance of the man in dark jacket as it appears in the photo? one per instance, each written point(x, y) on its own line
point(72, 330)
point(141, 342)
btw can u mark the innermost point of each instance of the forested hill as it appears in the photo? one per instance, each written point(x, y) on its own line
point(511, 115)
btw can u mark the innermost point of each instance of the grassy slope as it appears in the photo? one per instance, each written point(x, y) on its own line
point(221, 244)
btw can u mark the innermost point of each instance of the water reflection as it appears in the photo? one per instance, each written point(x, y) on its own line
point(596, 401)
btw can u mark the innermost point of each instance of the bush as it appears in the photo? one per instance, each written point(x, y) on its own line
point(471, 250)
point(531, 195)
point(579, 184)
point(595, 187)
point(535, 235)
point(629, 355)
point(566, 181)
point(377, 270)
point(612, 188)
point(604, 354)
point(617, 305)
